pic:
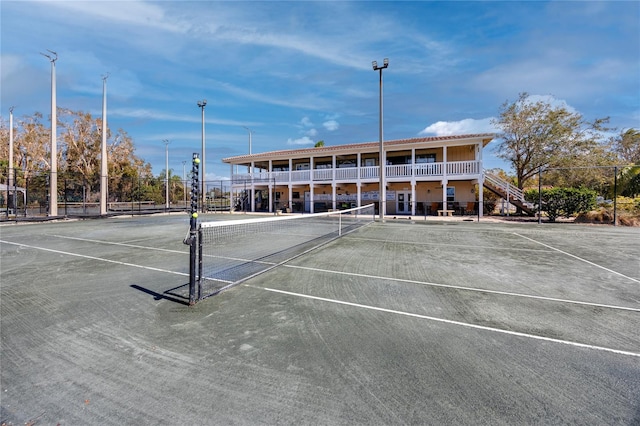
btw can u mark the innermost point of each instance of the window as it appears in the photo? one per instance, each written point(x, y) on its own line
point(451, 193)
point(369, 162)
point(426, 158)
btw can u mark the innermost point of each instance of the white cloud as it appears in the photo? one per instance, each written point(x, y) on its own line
point(305, 140)
point(466, 126)
point(306, 122)
point(312, 132)
point(331, 125)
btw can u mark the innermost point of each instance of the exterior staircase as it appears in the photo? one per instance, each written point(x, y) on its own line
point(507, 191)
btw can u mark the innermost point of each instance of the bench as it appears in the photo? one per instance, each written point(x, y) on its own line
point(448, 212)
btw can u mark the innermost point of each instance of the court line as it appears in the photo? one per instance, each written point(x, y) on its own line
point(84, 256)
point(431, 243)
point(577, 257)
point(446, 321)
point(119, 244)
point(479, 290)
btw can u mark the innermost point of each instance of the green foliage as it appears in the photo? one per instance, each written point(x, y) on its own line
point(563, 202)
point(629, 181)
point(536, 134)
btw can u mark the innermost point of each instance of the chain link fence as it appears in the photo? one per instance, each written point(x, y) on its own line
point(26, 195)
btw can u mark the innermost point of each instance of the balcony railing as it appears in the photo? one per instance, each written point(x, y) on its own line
point(401, 171)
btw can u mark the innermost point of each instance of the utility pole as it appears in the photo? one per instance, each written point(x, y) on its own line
point(53, 176)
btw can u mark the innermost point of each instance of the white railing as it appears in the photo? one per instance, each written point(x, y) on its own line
point(429, 169)
point(323, 174)
point(400, 170)
point(369, 172)
point(454, 168)
point(347, 173)
point(463, 168)
point(509, 189)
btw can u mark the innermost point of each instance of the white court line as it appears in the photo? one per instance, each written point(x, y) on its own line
point(84, 256)
point(463, 324)
point(576, 257)
point(457, 287)
point(119, 244)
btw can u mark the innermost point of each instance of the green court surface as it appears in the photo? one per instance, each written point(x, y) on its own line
point(399, 322)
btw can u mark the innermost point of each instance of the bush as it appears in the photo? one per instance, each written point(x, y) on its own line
point(563, 202)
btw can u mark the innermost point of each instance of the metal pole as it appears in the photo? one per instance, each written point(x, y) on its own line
point(382, 192)
point(166, 174)
point(11, 179)
point(615, 196)
point(184, 182)
point(539, 195)
point(103, 154)
point(53, 178)
point(203, 187)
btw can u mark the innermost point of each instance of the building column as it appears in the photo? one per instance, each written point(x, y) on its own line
point(413, 197)
point(311, 210)
point(333, 195)
point(358, 188)
point(445, 182)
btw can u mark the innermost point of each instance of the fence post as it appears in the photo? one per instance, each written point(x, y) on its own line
point(615, 195)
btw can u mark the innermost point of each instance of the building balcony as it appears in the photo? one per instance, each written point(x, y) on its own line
point(398, 172)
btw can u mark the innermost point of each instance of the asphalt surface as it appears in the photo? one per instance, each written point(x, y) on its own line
point(441, 323)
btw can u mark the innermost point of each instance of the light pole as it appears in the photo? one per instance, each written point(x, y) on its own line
point(203, 185)
point(184, 181)
point(53, 177)
point(103, 159)
point(11, 172)
point(383, 192)
point(250, 132)
point(166, 174)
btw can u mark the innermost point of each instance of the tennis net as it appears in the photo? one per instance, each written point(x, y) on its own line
point(230, 252)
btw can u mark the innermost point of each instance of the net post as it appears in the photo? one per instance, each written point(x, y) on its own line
point(193, 239)
point(200, 244)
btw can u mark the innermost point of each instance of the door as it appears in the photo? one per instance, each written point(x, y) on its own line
point(403, 203)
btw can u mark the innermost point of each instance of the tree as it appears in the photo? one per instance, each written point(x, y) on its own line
point(319, 144)
point(536, 134)
point(627, 146)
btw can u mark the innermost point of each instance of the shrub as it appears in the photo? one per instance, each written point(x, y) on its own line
point(563, 202)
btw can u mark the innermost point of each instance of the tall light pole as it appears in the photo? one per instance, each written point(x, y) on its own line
point(53, 177)
point(11, 172)
point(250, 132)
point(383, 192)
point(166, 174)
point(203, 185)
point(103, 153)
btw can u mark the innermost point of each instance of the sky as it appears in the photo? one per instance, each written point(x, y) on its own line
point(297, 72)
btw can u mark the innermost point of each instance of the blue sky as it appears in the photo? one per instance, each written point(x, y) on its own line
point(299, 72)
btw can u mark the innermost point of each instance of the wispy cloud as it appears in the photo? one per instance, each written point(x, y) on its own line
point(305, 140)
point(466, 126)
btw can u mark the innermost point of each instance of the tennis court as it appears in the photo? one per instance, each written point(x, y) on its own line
point(402, 322)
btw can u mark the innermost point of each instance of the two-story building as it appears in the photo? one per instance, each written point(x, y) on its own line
point(422, 176)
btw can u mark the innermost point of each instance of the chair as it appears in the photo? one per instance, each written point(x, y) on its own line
point(471, 208)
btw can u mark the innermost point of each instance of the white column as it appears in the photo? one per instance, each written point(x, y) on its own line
point(311, 197)
point(413, 197)
point(359, 191)
point(333, 195)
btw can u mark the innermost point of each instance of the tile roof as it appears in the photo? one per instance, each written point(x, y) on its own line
point(487, 137)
